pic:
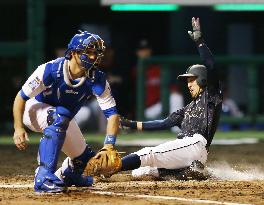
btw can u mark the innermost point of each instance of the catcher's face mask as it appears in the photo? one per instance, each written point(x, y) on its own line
point(89, 47)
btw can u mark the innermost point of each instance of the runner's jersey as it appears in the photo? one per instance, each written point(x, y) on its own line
point(201, 116)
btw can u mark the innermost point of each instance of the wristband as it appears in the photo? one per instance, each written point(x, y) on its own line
point(110, 139)
point(199, 42)
point(133, 125)
point(129, 123)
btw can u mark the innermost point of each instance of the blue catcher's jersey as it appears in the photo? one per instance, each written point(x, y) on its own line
point(48, 85)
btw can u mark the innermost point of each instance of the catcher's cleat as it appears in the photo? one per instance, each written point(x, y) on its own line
point(78, 181)
point(70, 178)
point(47, 182)
point(50, 187)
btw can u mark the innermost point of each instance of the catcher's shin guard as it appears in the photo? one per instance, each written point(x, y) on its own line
point(49, 149)
point(71, 170)
point(51, 143)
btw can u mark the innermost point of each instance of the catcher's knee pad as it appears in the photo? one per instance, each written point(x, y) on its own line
point(51, 116)
point(52, 141)
point(60, 116)
point(58, 127)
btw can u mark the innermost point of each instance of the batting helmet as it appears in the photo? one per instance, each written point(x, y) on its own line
point(84, 42)
point(198, 71)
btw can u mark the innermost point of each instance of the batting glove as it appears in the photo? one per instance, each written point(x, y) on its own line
point(126, 124)
point(196, 34)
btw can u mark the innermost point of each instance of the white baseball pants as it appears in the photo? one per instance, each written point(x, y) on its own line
point(35, 118)
point(175, 154)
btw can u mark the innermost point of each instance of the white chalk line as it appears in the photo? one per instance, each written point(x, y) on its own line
point(14, 186)
point(165, 198)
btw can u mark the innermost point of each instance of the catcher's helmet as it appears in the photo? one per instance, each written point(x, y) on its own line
point(198, 71)
point(83, 42)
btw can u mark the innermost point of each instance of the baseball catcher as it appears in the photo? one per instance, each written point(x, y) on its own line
point(198, 121)
point(47, 103)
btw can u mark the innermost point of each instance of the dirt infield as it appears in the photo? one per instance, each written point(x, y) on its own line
point(238, 170)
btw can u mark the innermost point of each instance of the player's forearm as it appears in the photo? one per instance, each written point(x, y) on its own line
point(206, 55)
point(113, 125)
point(18, 111)
point(157, 125)
point(148, 125)
point(172, 120)
point(208, 60)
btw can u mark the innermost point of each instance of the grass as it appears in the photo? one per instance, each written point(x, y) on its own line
point(99, 138)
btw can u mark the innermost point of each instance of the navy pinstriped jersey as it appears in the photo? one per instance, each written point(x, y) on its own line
point(48, 85)
point(202, 114)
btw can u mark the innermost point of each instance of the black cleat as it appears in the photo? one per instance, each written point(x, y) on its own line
point(194, 172)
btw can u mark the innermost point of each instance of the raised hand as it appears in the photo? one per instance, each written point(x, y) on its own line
point(195, 34)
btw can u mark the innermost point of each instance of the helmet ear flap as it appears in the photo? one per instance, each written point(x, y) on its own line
point(203, 82)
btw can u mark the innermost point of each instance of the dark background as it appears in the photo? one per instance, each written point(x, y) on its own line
point(167, 32)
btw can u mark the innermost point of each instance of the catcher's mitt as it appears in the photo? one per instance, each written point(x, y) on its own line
point(106, 162)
